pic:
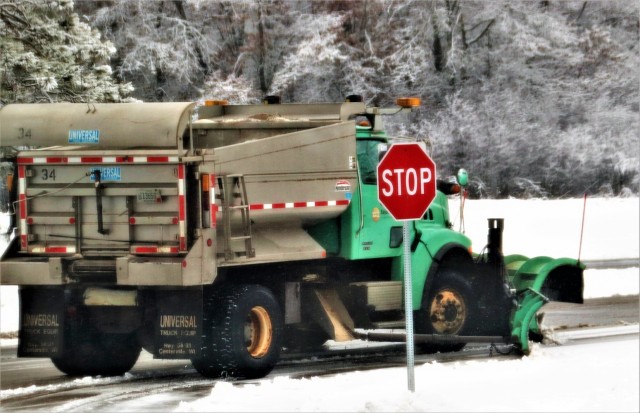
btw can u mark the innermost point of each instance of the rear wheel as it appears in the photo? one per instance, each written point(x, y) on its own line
point(88, 352)
point(447, 308)
point(242, 333)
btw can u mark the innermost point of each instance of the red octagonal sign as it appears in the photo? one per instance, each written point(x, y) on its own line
point(406, 181)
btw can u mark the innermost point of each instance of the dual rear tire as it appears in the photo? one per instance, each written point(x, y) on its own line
point(242, 333)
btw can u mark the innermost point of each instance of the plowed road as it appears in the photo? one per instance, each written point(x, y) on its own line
point(34, 384)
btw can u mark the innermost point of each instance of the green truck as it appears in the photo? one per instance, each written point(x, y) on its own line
point(224, 233)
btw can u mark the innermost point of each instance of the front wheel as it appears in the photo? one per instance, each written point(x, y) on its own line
point(448, 308)
point(242, 335)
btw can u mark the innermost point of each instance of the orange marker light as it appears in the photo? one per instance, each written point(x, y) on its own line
point(408, 102)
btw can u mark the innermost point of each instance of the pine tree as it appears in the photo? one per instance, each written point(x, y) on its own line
point(48, 55)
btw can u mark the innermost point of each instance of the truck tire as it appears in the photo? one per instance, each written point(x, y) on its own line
point(448, 308)
point(242, 333)
point(87, 352)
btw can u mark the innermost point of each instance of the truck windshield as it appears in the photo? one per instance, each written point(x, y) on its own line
point(368, 154)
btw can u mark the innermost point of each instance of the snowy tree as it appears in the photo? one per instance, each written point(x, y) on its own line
point(47, 54)
point(534, 98)
point(165, 47)
point(232, 88)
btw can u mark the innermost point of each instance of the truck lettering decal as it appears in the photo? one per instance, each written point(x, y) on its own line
point(178, 321)
point(84, 136)
point(40, 320)
point(107, 173)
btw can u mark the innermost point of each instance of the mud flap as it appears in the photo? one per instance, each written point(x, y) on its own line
point(178, 324)
point(41, 322)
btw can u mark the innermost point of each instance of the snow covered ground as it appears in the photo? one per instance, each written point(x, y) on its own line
point(597, 377)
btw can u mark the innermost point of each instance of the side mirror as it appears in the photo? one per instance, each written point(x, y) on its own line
point(462, 177)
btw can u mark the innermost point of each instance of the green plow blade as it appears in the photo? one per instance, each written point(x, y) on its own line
point(537, 281)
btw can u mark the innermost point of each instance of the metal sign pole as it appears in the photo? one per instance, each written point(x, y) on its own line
point(408, 306)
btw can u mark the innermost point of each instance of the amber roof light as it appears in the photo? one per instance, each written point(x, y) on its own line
point(408, 102)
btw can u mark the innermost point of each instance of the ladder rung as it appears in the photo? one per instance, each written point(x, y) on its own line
point(239, 207)
point(240, 237)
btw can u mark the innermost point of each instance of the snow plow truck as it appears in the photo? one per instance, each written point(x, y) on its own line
point(223, 234)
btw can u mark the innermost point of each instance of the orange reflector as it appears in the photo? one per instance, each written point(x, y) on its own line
point(408, 102)
point(364, 123)
point(216, 102)
point(10, 181)
point(205, 182)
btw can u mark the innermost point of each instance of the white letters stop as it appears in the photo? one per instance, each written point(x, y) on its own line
point(409, 179)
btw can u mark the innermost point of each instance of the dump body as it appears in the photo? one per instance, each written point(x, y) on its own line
point(290, 173)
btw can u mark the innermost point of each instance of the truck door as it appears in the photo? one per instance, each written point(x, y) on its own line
point(369, 223)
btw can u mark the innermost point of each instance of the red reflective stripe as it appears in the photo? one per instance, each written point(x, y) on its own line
point(182, 201)
point(56, 160)
point(181, 214)
point(25, 161)
point(146, 250)
point(213, 209)
point(23, 241)
point(122, 159)
point(157, 159)
point(21, 171)
point(55, 249)
point(23, 206)
point(284, 205)
point(155, 250)
point(91, 159)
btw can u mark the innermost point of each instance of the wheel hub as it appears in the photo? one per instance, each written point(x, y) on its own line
point(447, 312)
point(258, 332)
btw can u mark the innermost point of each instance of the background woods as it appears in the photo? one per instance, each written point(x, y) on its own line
point(533, 98)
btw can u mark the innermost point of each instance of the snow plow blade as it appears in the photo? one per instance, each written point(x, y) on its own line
point(537, 281)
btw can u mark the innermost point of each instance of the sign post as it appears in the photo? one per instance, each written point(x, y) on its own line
point(406, 188)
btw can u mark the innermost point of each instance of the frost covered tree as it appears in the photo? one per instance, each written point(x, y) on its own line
point(164, 47)
point(532, 97)
point(47, 54)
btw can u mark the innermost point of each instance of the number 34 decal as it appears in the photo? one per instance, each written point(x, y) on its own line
point(48, 174)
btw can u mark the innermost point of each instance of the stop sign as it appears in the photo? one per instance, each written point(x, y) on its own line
point(406, 181)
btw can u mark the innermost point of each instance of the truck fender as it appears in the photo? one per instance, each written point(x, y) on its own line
point(432, 250)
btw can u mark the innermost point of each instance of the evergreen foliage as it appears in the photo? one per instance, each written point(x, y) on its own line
point(47, 55)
